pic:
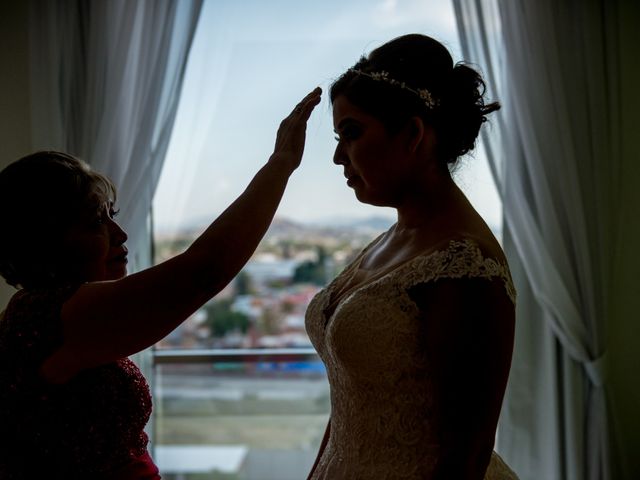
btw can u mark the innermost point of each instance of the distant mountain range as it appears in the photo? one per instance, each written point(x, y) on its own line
point(336, 226)
point(282, 226)
point(376, 222)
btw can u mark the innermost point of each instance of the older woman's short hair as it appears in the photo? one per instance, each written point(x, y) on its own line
point(41, 196)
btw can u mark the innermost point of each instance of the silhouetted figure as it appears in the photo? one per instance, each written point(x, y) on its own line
point(417, 332)
point(72, 406)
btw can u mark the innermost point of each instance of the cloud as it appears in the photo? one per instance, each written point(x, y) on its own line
point(418, 15)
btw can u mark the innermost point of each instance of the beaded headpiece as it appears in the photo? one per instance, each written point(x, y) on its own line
point(383, 76)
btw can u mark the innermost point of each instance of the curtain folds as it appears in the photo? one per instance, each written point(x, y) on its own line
point(555, 153)
point(106, 79)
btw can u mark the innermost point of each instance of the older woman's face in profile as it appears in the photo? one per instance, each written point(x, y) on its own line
point(94, 247)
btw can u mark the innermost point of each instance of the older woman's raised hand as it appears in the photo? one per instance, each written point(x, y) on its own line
point(291, 134)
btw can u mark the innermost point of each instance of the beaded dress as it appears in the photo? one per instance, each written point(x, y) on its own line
point(89, 427)
point(382, 413)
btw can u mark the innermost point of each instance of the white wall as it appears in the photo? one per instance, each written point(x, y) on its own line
point(15, 137)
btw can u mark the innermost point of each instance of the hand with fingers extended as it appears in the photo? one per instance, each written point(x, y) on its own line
point(291, 134)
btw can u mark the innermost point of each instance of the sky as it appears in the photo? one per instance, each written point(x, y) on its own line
point(250, 63)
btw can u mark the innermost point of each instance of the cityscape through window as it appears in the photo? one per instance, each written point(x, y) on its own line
point(243, 417)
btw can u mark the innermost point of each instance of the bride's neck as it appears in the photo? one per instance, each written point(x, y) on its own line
point(433, 205)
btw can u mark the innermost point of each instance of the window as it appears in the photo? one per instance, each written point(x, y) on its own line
point(235, 413)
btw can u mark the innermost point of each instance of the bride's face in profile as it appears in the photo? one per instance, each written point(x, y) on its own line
point(374, 161)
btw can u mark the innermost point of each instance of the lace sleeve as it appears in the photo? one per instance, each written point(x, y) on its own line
point(461, 259)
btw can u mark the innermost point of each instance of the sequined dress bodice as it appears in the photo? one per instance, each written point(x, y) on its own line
point(88, 427)
point(382, 412)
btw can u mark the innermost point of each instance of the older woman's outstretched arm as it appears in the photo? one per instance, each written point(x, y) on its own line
point(105, 321)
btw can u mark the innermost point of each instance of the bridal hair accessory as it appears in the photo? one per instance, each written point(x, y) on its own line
point(383, 76)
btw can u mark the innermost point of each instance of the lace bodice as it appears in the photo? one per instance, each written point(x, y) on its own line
point(381, 410)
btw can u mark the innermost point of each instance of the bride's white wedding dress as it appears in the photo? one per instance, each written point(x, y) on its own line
point(381, 409)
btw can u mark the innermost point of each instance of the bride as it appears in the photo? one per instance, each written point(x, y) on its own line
point(417, 332)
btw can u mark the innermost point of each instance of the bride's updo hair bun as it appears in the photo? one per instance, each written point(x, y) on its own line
point(415, 75)
point(462, 112)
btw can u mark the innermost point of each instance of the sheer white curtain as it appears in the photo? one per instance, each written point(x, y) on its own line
point(106, 78)
point(556, 155)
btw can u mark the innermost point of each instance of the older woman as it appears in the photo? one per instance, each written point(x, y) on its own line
point(417, 332)
point(71, 404)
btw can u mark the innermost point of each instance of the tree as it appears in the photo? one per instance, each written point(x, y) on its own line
point(243, 284)
point(312, 271)
point(221, 319)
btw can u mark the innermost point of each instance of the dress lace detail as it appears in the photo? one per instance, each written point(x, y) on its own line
point(382, 410)
point(461, 259)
